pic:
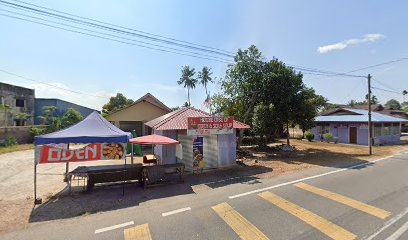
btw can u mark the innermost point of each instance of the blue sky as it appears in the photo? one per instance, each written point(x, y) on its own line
point(352, 34)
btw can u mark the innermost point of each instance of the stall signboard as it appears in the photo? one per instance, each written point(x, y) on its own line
point(210, 125)
point(91, 152)
point(198, 153)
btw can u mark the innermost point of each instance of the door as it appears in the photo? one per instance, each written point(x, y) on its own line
point(353, 135)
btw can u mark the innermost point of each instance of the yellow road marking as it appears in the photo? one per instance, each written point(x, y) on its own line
point(323, 225)
point(238, 223)
point(345, 200)
point(140, 232)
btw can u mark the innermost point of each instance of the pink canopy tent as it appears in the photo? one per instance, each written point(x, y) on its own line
point(153, 139)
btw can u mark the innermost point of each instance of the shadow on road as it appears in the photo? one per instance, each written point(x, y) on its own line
point(107, 198)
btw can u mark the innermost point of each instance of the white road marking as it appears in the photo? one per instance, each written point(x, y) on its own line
point(114, 227)
point(388, 224)
point(176, 211)
point(306, 178)
point(397, 234)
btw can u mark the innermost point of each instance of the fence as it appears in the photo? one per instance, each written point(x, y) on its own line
point(21, 133)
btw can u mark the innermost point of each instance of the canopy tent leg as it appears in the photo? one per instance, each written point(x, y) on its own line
point(36, 200)
point(124, 177)
point(131, 156)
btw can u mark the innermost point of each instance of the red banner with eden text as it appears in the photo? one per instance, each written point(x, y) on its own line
point(91, 152)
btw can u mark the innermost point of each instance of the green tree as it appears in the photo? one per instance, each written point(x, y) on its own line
point(405, 92)
point(264, 122)
point(205, 77)
point(48, 113)
point(187, 78)
point(6, 108)
point(241, 85)
point(70, 117)
point(394, 104)
point(374, 100)
point(253, 81)
point(308, 107)
point(115, 103)
point(22, 117)
point(352, 103)
point(404, 106)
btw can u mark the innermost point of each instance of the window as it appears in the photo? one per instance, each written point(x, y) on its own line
point(377, 129)
point(322, 129)
point(386, 129)
point(395, 129)
point(19, 102)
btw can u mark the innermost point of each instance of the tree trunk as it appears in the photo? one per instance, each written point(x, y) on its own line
point(188, 94)
point(287, 133)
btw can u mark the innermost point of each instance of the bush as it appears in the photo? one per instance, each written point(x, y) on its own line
point(309, 136)
point(10, 141)
point(335, 139)
point(35, 131)
point(328, 137)
point(298, 137)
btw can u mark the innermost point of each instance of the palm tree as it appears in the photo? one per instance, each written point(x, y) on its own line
point(405, 92)
point(205, 77)
point(187, 78)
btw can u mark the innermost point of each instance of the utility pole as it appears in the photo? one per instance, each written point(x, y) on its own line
point(370, 130)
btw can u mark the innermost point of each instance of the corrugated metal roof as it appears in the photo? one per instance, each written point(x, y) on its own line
point(360, 116)
point(177, 120)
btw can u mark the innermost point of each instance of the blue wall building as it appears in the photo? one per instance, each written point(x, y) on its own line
point(61, 106)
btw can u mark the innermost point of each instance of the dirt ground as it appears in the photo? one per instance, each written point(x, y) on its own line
point(16, 180)
point(312, 154)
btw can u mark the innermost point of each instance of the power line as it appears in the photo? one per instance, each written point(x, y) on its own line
point(106, 38)
point(384, 85)
point(99, 26)
point(385, 90)
point(368, 67)
point(50, 85)
point(106, 34)
point(130, 29)
point(107, 28)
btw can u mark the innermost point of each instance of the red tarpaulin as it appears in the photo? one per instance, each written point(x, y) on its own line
point(153, 139)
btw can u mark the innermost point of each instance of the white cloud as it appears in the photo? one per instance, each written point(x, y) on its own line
point(168, 88)
point(372, 37)
point(61, 91)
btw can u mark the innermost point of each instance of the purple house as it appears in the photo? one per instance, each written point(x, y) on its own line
point(351, 126)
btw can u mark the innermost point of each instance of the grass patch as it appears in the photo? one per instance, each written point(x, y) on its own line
point(19, 147)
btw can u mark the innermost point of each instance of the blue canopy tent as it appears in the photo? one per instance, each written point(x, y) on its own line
point(93, 129)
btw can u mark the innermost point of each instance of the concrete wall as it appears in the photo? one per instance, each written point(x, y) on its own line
point(21, 133)
point(9, 95)
point(61, 106)
point(167, 153)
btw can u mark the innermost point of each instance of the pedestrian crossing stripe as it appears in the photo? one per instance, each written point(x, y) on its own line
point(140, 232)
point(328, 228)
point(377, 212)
point(241, 226)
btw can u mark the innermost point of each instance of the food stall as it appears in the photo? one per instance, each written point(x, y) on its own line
point(207, 141)
point(104, 141)
point(159, 172)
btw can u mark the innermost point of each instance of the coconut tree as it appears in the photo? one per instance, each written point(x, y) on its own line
point(205, 77)
point(405, 92)
point(187, 78)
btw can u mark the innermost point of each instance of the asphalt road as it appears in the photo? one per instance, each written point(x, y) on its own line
point(369, 201)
